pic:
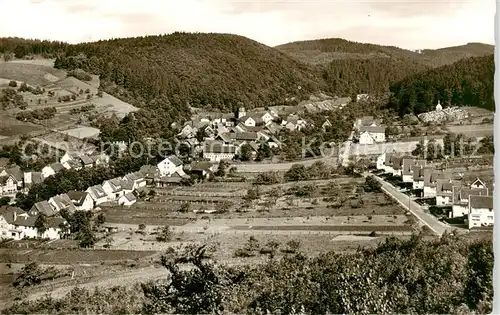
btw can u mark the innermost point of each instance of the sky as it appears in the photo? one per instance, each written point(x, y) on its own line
point(407, 24)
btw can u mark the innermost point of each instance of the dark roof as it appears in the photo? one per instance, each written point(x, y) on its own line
point(64, 202)
point(16, 173)
point(171, 179)
point(86, 159)
point(463, 193)
point(77, 197)
point(481, 202)
point(201, 166)
point(9, 212)
point(244, 136)
point(219, 148)
point(396, 162)
point(374, 129)
point(57, 167)
point(97, 190)
point(445, 187)
point(175, 160)
point(129, 196)
point(44, 208)
point(418, 173)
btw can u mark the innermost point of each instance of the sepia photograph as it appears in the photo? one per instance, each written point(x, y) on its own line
point(247, 157)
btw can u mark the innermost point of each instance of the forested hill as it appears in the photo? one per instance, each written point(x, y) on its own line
point(468, 82)
point(324, 51)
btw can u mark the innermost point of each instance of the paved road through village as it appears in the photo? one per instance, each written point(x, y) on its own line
point(431, 221)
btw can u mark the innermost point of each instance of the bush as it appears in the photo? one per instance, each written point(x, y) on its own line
point(13, 84)
point(165, 235)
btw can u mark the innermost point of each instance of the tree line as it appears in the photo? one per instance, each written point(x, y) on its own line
point(451, 275)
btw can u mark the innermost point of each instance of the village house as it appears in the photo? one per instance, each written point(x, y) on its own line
point(418, 177)
point(8, 215)
point(188, 131)
point(170, 165)
point(203, 169)
point(127, 200)
point(480, 211)
point(16, 174)
point(460, 200)
point(371, 134)
point(294, 122)
point(113, 188)
point(62, 202)
point(444, 192)
point(478, 184)
point(81, 200)
point(408, 166)
point(32, 178)
point(327, 124)
point(42, 207)
point(430, 181)
point(97, 194)
point(136, 178)
point(8, 185)
point(100, 159)
point(366, 121)
point(26, 226)
point(151, 173)
point(216, 152)
point(397, 165)
point(52, 169)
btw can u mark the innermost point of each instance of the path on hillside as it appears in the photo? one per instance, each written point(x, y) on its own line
point(429, 220)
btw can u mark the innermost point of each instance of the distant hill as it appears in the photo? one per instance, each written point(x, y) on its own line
point(468, 82)
point(324, 51)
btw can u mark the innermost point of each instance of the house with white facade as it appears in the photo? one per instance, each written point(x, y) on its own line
point(431, 178)
point(32, 178)
point(8, 215)
point(97, 194)
point(480, 211)
point(26, 226)
point(170, 165)
point(407, 168)
point(62, 202)
point(52, 169)
point(216, 152)
point(137, 178)
point(478, 184)
point(371, 134)
point(444, 192)
point(418, 177)
point(113, 188)
point(8, 185)
point(397, 165)
point(81, 200)
point(127, 200)
point(460, 200)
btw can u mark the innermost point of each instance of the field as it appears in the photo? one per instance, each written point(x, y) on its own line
point(32, 73)
point(472, 130)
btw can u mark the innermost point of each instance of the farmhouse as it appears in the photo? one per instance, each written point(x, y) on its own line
point(97, 194)
point(26, 226)
point(16, 175)
point(480, 211)
point(136, 178)
point(127, 200)
point(371, 134)
point(203, 169)
point(170, 165)
point(430, 181)
point(460, 201)
point(81, 200)
point(150, 172)
point(52, 169)
point(397, 165)
point(215, 152)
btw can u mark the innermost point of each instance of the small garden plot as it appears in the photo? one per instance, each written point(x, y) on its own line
point(327, 228)
point(69, 257)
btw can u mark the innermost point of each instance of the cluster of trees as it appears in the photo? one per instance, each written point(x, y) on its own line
point(26, 88)
point(82, 109)
point(10, 98)
point(21, 47)
point(454, 145)
point(468, 82)
point(452, 275)
point(80, 75)
point(318, 170)
point(37, 114)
